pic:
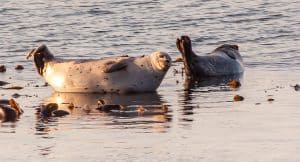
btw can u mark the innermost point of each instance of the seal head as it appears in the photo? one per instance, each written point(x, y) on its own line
point(161, 61)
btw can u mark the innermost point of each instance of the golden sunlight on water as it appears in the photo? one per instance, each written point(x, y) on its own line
point(203, 122)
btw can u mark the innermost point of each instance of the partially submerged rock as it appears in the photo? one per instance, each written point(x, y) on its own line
point(297, 87)
point(2, 69)
point(234, 84)
point(19, 67)
point(238, 98)
point(10, 110)
point(51, 109)
point(14, 88)
point(3, 83)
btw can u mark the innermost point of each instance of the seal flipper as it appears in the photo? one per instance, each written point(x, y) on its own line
point(184, 45)
point(40, 56)
point(114, 66)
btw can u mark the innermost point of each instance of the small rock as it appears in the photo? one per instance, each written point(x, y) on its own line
point(238, 98)
point(4, 101)
point(71, 106)
point(48, 109)
point(297, 87)
point(16, 95)
point(60, 113)
point(19, 67)
point(46, 84)
point(14, 88)
point(2, 69)
point(271, 99)
point(234, 84)
point(2, 83)
point(124, 56)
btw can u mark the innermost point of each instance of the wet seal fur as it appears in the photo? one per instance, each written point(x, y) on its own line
point(114, 74)
point(224, 60)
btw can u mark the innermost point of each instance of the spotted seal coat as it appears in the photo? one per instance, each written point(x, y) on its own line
point(115, 74)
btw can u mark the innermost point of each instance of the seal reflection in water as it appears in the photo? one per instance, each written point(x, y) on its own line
point(116, 74)
point(223, 61)
point(118, 104)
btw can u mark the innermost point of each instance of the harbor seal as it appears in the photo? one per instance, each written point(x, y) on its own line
point(115, 74)
point(224, 60)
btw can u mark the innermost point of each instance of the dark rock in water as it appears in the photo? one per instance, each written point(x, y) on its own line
point(71, 106)
point(14, 88)
point(48, 109)
point(19, 67)
point(4, 102)
point(16, 95)
point(2, 83)
point(297, 87)
point(60, 113)
point(108, 108)
point(9, 112)
point(234, 84)
point(2, 69)
point(238, 98)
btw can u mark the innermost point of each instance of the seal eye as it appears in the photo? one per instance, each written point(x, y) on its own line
point(161, 56)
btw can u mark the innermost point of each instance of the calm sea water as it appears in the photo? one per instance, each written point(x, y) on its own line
point(203, 125)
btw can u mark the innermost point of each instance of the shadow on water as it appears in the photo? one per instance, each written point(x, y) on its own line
point(192, 88)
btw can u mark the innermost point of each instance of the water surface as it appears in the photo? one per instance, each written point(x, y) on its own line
point(203, 125)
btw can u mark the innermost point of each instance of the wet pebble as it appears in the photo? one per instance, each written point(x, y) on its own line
point(238, 98)
point(60, 113)
point(19, 67)
point(16, 95)
point(2, 69)
point(10, 112)
point(3, 83)
point(14, 88)
point(71, 106)
point(234, 84)
point(271, 99)
point(47, 110)
point(297, 87)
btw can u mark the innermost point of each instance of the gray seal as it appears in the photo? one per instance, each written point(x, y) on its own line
point(223, 61)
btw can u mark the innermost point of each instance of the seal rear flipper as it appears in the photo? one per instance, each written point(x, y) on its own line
point(40, 56)
point(184, 45)
point(111, 67)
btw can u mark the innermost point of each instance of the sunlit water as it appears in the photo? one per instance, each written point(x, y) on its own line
point(203, 124)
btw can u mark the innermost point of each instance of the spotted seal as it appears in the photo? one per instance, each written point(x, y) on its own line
point(224, 60)
point(114, 74)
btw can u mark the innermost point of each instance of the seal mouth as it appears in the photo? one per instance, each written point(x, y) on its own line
point(163, 61)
